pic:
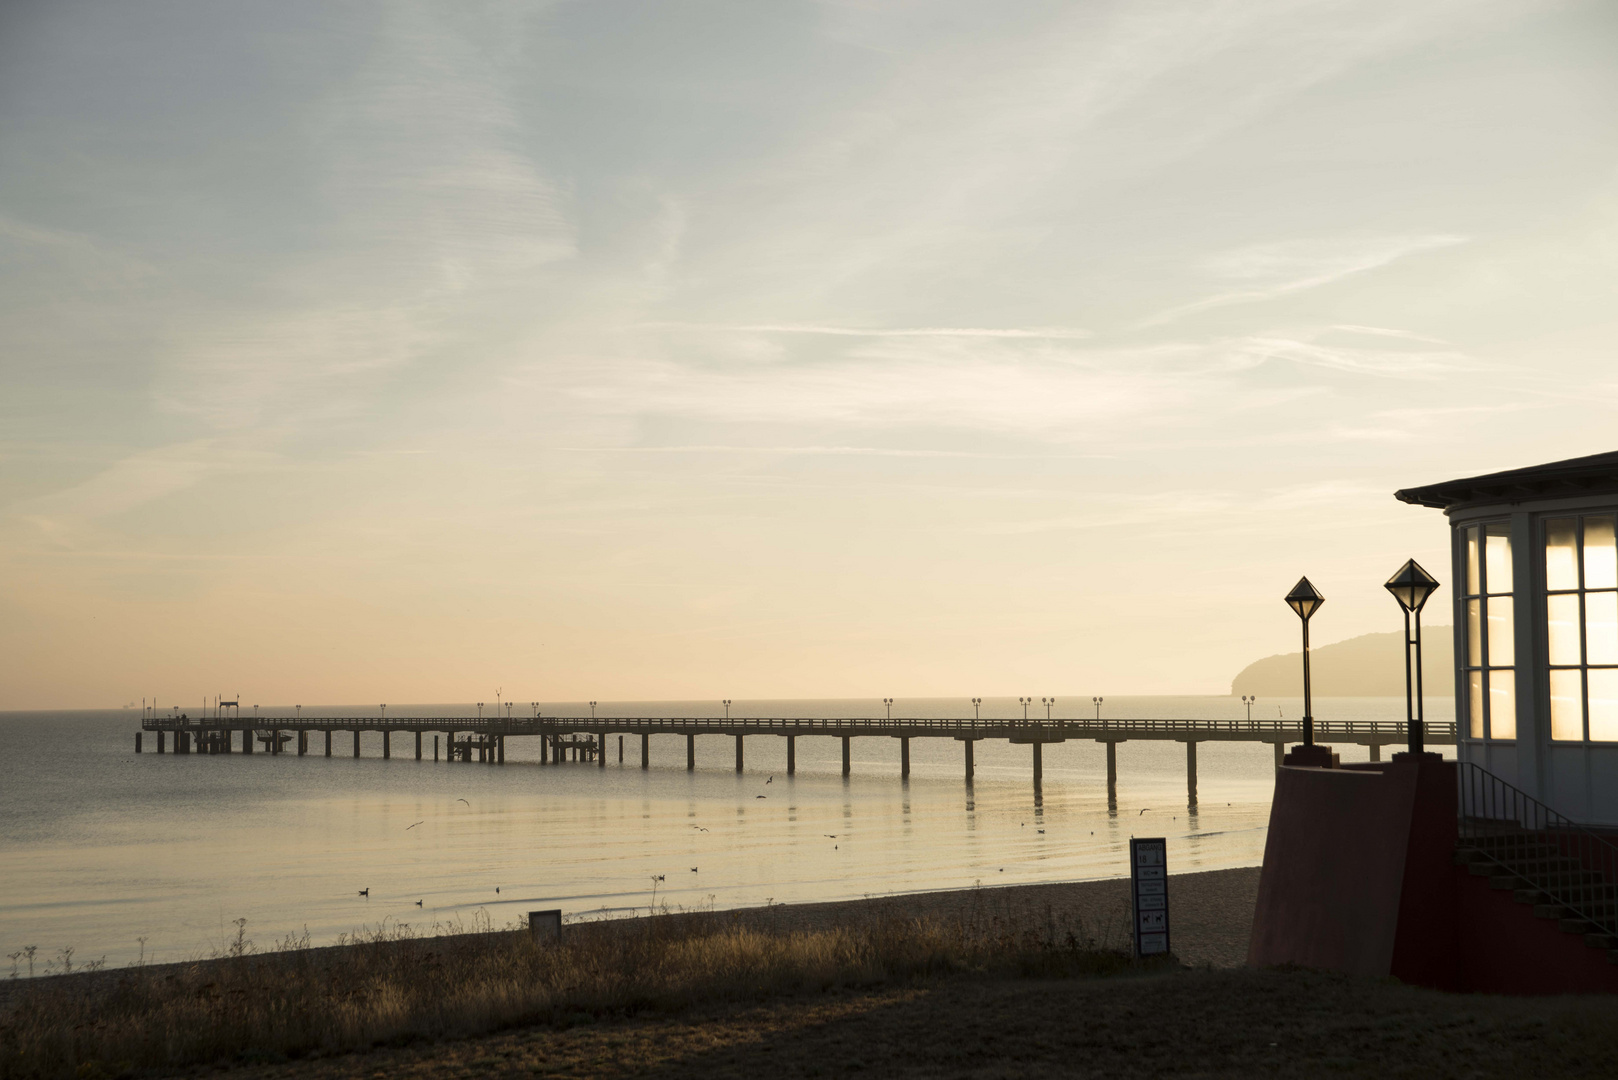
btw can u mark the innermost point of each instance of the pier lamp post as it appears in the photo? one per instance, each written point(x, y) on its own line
point(1049, 703)
point(977, 702)
point(1411, 586)
point(384, 708)
point(1305, 600)
point(1025, 702)
point(887, 703)
point(1248, 701)
point(727, 708)
point(592, 710)
point(480, 710)
point(535, 706)
point(1097, 701)
point(297, 711)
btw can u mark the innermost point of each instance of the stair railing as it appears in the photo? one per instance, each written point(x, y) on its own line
point(1573, 866)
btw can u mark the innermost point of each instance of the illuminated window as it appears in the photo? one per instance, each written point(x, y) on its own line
point(1490, 662)
point(1581, 626)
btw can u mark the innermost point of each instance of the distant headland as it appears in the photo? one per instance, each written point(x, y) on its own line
point(1370, 665)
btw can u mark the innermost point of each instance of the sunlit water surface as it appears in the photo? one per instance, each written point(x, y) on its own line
point(111, 853)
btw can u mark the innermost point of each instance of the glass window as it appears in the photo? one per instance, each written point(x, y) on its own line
point(1503, 704)
point(1561, 566)
point(1475, 697)
point(1562, 628)
point(1567, 705)
point(1604, 705)
point(1600, 554)
point(1497, 557)
point(1491, 653)
point(1581, 626)
point(1601, 627)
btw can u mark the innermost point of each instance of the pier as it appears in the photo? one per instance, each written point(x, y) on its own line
point(585, 739)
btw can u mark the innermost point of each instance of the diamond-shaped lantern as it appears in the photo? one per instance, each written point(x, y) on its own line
point(1304, 598)
point(1412, 585)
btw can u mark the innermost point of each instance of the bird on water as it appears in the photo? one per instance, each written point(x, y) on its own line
point(366, 893)
point(418, 903)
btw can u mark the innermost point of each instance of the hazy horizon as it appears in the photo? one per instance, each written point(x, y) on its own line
point(806, 350)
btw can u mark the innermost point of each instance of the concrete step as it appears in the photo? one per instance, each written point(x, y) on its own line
point(1577, 926)
point(1601, 941)
point(1551, 911)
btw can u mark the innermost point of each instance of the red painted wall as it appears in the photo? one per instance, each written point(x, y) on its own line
point(1505, 949)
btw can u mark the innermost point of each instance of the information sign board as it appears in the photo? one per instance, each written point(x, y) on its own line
point(1149, 889)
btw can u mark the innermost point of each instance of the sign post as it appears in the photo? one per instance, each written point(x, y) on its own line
point(1149, 888)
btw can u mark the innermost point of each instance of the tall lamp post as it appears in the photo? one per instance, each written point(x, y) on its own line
point(1025, 702)
point(887, 703)
point(1097, 703)
point(1305, 600)
point(1048, 703)
point(1248, 701)
point(977, 702)
point(727, 708)
point(1411, 586)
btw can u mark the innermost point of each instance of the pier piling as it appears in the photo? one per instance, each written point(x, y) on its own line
point(601, 751)
point(792, 754)
point(904, 757)
point(387, 743)
point(328, 742)
point(1191, 772)
point(645, 750)
point(137, 742)
point(356, 742)
point(620, 749)
point(1376, 751)
point(738, 753)
point(160, 742)
point(845, 755)
point(500, 747)
point(969, 767)
point(435, 747)
point(690, 753)
point(1039, 763)
point(1112, 773)
point(418, 745)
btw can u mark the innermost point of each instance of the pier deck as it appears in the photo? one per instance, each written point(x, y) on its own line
point(584, 738)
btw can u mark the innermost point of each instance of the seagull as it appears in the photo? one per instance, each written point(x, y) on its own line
point(699, 828)
point(418, 903)
point(366, 893)
point(1143, 811)
point(1042, 832)
point(660, 877)
point(830, 835)
point(409, 827)
point(463, 800)
point(771, 780)
point(693, 869)
point(761, 796)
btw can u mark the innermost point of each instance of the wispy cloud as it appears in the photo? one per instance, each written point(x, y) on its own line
point(1279, 269)
point(1053, 333)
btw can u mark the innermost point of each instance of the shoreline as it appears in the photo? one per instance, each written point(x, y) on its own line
point(1210, 912)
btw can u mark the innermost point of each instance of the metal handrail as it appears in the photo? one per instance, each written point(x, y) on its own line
point(1574, 867)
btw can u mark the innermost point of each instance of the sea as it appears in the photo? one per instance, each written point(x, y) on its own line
point(112, 857)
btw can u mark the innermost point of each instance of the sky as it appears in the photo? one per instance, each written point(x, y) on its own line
point(408, 352)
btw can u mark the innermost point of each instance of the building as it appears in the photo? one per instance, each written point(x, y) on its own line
point(1534, 557)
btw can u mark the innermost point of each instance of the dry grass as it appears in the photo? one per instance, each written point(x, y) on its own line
point(397, 987)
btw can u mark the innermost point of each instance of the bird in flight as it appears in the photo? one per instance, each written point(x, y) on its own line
point(693, 869)
point(761, 796)
point(409, 827)
point(1143, 811)
point(830, 835)
point(497, 889)
point(771, 780)
point(463, 800)
point(418, 903)
point(660, 877)
point(366, 893)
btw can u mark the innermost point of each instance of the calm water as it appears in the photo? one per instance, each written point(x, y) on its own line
point(103, 847)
